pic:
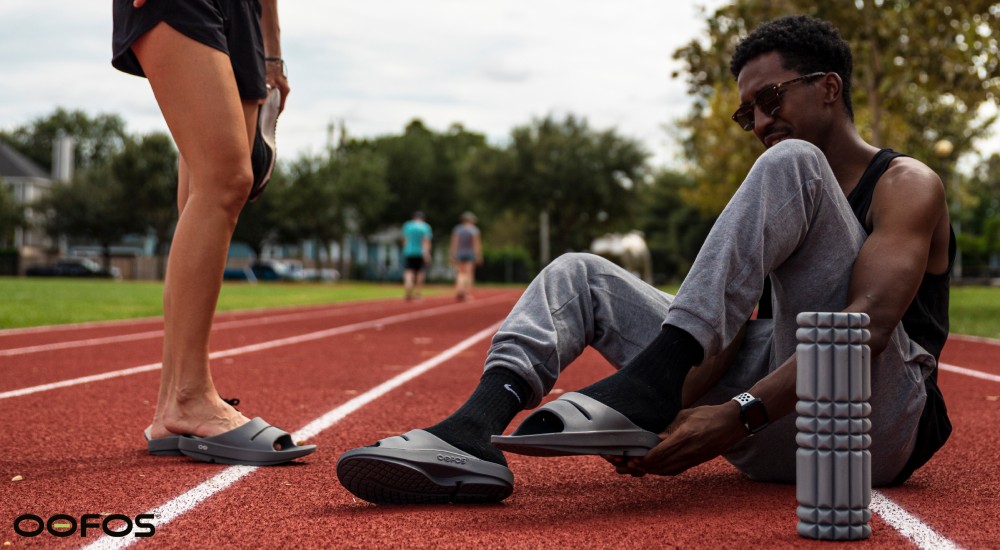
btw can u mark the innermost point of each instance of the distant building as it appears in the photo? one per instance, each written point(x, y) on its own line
point(27, 182)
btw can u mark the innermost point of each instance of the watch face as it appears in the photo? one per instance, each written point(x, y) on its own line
point(754, 416)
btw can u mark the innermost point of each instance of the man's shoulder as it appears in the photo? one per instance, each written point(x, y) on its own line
point(908, 175)
point(911, 185)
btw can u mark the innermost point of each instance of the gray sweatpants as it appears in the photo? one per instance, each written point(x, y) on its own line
point(789, 220)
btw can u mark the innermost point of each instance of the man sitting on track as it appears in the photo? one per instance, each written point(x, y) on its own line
point(836, 225)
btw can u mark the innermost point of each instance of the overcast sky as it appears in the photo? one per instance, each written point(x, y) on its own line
point(377, 64)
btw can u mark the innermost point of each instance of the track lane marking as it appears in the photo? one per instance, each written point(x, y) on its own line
point(908, 525)
point(184, 503)
point(224, 325)
point(291, 340)
point(154, 319)
point(315, 336)
point(975, 339)
point(898, 518)
point(968, 372)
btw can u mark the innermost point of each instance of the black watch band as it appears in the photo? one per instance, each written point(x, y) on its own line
point(753, 415)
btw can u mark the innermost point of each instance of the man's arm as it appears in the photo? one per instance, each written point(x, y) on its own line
point(907, 209)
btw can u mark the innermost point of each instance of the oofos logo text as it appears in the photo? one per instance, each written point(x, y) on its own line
point(64, 525)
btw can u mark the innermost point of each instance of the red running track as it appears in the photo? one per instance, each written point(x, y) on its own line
point(74, 401)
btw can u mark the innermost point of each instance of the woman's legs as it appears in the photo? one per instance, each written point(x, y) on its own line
point(196, 91)
point(464, 272)
point(409, 278)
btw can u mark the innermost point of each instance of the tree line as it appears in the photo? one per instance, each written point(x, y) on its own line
point(923, 71)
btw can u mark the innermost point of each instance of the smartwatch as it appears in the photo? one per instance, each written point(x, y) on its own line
point(753, 415)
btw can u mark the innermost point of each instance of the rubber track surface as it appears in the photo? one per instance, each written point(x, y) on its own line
point(77, 447)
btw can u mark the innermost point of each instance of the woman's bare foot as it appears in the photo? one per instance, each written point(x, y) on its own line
point(203, 417)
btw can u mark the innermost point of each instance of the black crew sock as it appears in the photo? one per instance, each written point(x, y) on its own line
point(648, 390)
point(500, 395)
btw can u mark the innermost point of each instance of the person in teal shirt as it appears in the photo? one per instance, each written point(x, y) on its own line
point(416, 253)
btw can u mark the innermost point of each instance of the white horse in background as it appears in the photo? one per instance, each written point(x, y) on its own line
point(628, 250)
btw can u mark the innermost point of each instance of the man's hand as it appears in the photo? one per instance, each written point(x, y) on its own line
point(697, 435)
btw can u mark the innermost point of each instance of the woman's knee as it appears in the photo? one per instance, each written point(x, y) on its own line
point(228, 187)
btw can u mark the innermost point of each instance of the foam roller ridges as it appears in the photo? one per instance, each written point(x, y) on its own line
point(833, 461)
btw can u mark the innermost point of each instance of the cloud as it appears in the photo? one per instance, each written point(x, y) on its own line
point(377, 64)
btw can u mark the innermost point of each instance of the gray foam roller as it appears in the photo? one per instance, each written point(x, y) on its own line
point(833, 463)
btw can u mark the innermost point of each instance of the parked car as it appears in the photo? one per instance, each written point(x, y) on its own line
point(274, 270)
point(326, 274)
point(265, 270)
point(74, 267)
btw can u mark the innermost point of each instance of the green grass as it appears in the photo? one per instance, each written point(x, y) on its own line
point(975, 310)
point(26, 302)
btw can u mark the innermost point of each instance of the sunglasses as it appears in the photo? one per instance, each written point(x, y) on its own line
point(768, 99)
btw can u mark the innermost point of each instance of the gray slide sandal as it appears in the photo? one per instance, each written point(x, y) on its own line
point(255, 443)
point(420, 468)
point(576, 424)
point(162, 446)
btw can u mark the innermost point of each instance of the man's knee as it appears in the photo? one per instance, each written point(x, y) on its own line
point(577, 262)
point(791, 153)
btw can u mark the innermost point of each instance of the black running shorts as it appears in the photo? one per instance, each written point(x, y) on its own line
point(414, 263)
point(231, 26)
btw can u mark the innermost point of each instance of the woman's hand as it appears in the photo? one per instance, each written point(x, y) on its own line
point(276, 77)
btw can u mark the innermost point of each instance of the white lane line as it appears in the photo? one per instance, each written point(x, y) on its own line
point(224, 325)
point(292, 340)
point(899, 519)
point(969, 372)
point(171, 510)
point(159, 318)
point(976, 339)
point(909, 525)
point(159, 332)
point(83, 343)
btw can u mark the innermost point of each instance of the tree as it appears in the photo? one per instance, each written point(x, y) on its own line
point(259, 221)
point(146, 172)
point(411, 172)
point(584, 180)
point(90, 208)
point(11, 216)
point(921, 72)
point(95, 138)
point(322, 199)
point(424, 170)
point(979, 216)
point(674, 230)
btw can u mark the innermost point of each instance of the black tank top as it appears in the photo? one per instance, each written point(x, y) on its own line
point(925, 322)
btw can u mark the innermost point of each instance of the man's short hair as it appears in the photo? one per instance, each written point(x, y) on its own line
point(806, 45)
